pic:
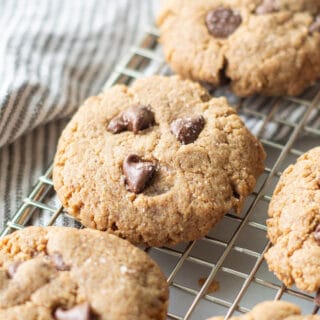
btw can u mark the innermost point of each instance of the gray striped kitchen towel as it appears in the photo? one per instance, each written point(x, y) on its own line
point(53, 54)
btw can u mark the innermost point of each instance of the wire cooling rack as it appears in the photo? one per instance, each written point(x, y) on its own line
point(225, 272)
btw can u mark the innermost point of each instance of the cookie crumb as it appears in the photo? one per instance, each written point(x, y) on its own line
point(213, 287)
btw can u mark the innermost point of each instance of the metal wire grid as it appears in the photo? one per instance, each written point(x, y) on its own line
point(136, 65)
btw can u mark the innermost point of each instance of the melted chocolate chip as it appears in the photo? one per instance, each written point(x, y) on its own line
point(222, 22)
point(138, 118)
point(316, 234)
point(59, 263)
point(315, 26)
point(138, 172)
point(187, 129)
point(79, 312)
point(267, 6)
point(12, 268)
point(117, 125)
point(134, 119)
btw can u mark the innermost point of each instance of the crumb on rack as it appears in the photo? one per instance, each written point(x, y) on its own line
point(213, 287)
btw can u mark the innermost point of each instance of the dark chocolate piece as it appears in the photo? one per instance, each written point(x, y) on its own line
point(222, 22)
point(187, 129)
point(135, 119)
point(138, 172)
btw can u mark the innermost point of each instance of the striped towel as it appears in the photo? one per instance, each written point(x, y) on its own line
point(53, 54)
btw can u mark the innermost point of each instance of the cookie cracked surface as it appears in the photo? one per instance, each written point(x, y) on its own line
point(260, 46)
point(57, 273)
point(191, 166)
point(294, 224)
point(273, 310)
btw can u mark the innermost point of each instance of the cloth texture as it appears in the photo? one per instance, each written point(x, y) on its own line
point(54, 54)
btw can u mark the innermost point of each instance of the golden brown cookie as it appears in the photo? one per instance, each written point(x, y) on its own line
point(273, 310)
point(259, 46)
point(158, 163)
point(293, 227)
point(57, 273)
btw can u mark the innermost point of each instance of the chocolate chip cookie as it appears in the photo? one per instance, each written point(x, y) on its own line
point(57, 273)
point(258, 46)
point(273, 310)
point(158, 163)
point(294, 224)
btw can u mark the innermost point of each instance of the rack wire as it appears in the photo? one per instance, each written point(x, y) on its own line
point(232, 253)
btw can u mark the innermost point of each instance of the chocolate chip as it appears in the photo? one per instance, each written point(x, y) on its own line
point(316, 234)
point(58, 262)
point(187, 129)
point(13, 267)
point(138, 118)
point(222, 22)
point(315, 26)
point(79, 312)
point(134, 119)
point(138, 172)
point(117, 125)
point(267, 6)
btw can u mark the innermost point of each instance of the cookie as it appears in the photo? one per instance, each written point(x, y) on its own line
point(294, 224)
point(258, 46)
point(157, 163)
point(273, 310)
point(58, 273)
